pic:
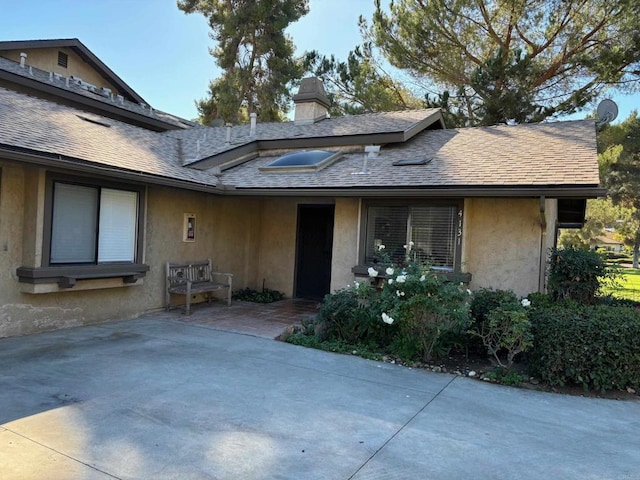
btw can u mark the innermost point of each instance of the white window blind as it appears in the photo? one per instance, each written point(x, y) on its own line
point(118, 222)
point(73, 230)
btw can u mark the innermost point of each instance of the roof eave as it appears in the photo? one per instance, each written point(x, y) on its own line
point(77, 100)
point(77, 165)
point(77, 46)
point(462, 191)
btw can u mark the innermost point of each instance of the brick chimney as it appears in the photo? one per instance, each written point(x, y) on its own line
point(311, 102)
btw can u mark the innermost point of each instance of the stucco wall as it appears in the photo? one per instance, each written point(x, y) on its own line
point(502, 243)
point(47, 59)
point(227, 232)
point(345, 242)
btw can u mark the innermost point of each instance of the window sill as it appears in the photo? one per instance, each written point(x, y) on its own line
point(65, 278)
point(451, 276)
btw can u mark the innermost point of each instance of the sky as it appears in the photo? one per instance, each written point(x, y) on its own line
point(163, 53)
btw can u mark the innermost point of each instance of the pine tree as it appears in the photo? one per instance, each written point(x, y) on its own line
point(255, 54)
point(512, 61)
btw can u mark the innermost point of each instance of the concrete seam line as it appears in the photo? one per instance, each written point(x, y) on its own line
point(401, 428)
point(63, 454)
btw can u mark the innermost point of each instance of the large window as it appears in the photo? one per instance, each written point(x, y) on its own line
point(434, 229)
point(93, 224)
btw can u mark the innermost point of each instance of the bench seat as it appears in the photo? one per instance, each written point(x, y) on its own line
point(189, 278)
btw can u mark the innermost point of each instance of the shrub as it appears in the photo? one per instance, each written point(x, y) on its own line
point(593, 346)
point(501, 323)
point(429, 311)
point(486, 300)
point(576, 274)
point(507, 330)
point(265, 296)
point(349, 315)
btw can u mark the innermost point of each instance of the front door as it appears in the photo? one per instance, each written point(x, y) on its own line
point(313, 252)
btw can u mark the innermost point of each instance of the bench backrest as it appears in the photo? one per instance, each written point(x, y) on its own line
point(199, 271)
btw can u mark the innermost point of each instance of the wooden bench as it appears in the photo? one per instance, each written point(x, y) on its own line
point(189, 278)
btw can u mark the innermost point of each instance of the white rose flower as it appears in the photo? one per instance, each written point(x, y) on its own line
point(387, 319)
point(423, 278)
point(401, 278)
point(468, 292)
point(380, 247)
point(389, 271)
point(372, 272)
point(390, 281)
point(526, 302)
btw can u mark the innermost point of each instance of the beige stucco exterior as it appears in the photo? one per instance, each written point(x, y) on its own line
point(47, 59)
point(253, 238)
point(506, 242)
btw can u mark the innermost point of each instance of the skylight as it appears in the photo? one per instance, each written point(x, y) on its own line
point(302, 161)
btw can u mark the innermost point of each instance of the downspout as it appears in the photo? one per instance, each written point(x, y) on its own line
point(543, 242)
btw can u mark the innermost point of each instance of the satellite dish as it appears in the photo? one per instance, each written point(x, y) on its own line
point(607, 111)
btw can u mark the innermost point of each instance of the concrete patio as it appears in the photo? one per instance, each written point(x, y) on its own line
point(167, 397)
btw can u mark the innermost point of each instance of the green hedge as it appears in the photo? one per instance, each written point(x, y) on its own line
point(597, 347)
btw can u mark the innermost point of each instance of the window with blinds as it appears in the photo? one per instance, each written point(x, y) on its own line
point(92, 225)
point(432, 229)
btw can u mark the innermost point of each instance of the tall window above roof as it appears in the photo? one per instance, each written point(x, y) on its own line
point(63, 59)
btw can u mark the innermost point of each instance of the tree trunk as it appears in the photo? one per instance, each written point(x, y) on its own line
point(636, 247)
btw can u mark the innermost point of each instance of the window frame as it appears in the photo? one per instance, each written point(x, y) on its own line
point(66, 274)
point(412, 202)
point(98, 184)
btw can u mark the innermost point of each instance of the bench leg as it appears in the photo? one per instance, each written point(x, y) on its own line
point(188, 306)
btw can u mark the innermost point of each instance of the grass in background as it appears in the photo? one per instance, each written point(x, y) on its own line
point(629, 286)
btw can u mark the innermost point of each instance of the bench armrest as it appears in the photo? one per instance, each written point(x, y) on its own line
point(221, 274)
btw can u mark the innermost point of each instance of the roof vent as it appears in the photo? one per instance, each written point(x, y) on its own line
point(63, 59)
point(254, 117)
point(311, 102)
point(23, 59)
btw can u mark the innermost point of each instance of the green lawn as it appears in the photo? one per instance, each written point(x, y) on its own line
point(629, 286)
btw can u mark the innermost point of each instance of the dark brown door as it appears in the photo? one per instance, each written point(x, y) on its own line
point(313, 252)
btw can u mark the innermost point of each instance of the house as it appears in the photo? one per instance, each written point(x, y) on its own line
point(98, 190)
point(609, 242)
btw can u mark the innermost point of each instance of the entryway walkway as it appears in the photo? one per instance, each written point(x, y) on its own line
point(257, 319)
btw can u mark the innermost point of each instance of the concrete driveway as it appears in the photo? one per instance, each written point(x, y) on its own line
point(154, 398)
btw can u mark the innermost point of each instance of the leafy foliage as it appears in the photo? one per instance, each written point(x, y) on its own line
point(264, 296)
point(501, 322)
point(255, 55)
point(511, 61)
point(412, 313)
point(576, 274)
point(359, 84)
point(623, 177)
point(594, 346)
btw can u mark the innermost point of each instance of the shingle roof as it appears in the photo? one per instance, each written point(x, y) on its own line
point(44, 126)
point(551, 154)
point(561, 153)
point(60, 82)
point(209, 141)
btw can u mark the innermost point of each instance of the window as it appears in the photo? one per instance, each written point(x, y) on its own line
point(302, 161)
point(434, 229)
point(93, 224)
